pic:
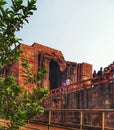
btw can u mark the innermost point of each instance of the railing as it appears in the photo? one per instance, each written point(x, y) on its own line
point(85, 84)
point(78, 119)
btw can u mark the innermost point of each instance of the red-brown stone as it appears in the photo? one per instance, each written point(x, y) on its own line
point(58, 69)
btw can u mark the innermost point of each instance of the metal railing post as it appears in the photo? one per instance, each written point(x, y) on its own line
point(49, 119)
point(81, 120)
point(103, 114)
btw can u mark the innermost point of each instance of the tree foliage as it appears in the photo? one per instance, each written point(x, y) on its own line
point(11, 21)
point(17, 105)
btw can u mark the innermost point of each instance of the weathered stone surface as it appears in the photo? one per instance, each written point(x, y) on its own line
point(58, 69)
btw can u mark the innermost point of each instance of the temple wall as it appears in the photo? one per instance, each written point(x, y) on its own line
point(98, 97)
point(58, 70)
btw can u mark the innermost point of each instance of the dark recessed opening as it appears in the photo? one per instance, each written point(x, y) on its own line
point(54, 75)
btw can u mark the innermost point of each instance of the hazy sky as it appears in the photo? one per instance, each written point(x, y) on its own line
point(82, 29)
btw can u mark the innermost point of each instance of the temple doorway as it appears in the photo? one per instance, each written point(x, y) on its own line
point(54, 75)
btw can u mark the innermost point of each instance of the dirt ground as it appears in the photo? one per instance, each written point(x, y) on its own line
point(30, 126)
point(39, 127)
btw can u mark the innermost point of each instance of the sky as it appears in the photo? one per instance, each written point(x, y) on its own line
point(82, 29)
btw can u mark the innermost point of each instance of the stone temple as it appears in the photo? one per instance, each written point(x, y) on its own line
point(95, 93)
point(58, 68)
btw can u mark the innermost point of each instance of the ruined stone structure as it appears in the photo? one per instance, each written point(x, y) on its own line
point(100, 96)
point(58, 69)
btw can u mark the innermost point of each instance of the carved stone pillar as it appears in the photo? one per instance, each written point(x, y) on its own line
point(46, 83)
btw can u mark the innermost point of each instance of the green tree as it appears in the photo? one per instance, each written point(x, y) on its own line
point(17, 106)
point(11, 21)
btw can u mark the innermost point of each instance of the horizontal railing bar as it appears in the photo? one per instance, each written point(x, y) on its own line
point(79, 110)
point(93, 81)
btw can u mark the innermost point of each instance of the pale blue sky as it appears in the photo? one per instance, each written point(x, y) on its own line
point(82, 29)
